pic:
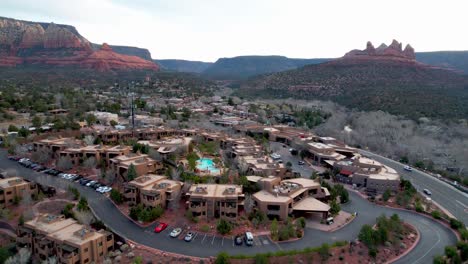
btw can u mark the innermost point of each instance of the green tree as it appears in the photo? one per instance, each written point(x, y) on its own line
point(91, 119)
point(386, 195)
point(222, 258)
point(450, 251)
point(23, 132)
point(223, 227)
point(274, 229)
point(116, 196)
point(439, 260)
point(335, 208)
point(12, 128)
point(463, 247)
point(4, 254)
point(83, 204)
point(324, 251)
point(366, 236)
point(192, 158)
point(113, 123)
point(131, 174)
point(68, 210)
point(36, 121)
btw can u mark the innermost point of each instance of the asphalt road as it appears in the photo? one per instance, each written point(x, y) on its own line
point(434, 236)
point(286, 156)
point(455, 201)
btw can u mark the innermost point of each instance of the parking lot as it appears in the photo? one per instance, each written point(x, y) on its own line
point(205, 239)
point(282, 149)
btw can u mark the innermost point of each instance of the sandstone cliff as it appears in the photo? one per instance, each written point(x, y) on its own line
point(392, 52)
point(23, 42)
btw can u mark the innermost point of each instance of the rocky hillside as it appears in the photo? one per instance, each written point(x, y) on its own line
point(243, 67)
point(386, 78)
point(127, 50)
point(183, 65)
point(27, 43)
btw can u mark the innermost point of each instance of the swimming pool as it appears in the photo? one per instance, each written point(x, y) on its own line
point(204, 164)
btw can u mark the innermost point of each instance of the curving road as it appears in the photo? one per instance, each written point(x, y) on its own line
point(450, 198)
point(434, 236)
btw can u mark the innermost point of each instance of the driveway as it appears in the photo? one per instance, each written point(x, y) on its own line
point(304, 170)
point(434, 236)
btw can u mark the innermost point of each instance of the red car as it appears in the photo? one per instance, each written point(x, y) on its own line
point(160, 227)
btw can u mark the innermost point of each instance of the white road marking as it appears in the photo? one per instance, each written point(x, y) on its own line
point(222, 242)
point(425, 254)
point(212, 241)
point(203, 239)
point(461, 204)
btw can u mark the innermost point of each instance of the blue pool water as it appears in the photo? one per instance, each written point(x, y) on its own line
point(207, 164)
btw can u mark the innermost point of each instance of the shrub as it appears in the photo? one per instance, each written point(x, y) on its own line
point(436, 214)
point(261, 259)
point(373, 252)
point(222, 258)
point(450, 251)
point(68, 210)
point(455, 224)
point(116, 196)
point(463, 247)
point(301, 222)
point(386, 195)
point(419, 208)
point(223, 227)
point(83, 204)
point(75, 192)
point(205, 228)
point(324, 251)
point(463, 233)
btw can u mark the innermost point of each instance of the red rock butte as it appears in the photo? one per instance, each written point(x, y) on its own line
point(23, 42)
point(383, 52)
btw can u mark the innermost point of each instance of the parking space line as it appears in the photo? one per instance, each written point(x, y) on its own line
point(203, 240)
point(212, 241)
point(195, 236)
point(222, 241)
point(233, 241)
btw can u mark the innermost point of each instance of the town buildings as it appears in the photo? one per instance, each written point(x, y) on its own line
point(142, 163)
point(15, 189)
point(209, 201)
point(153, 190)
point(71, 243)
point(282, 198)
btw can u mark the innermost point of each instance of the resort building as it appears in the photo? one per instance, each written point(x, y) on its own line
point(152, 190)
point(261, 166)
point(54, 146)
point(100, 153)
point(367, 173)
point(142, 163)
point(319, 152)
point(282, 198)
point(15, 188)
point(209, 201)
point(50, 235)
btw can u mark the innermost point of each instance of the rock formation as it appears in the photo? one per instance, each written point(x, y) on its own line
point(392, 52)
point(23, 42)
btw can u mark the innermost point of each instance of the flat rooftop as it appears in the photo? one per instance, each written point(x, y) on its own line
point(147, 180)
point(265, 196)
point(215, 190)
point(49, 223)
point(75, 234)
point(10, 182)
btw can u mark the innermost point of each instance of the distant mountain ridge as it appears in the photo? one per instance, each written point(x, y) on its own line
point(183, 65)
point(38, 43)
point(392, 83)
point(242, 67)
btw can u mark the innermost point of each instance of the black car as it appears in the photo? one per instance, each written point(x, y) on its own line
point(84, 181)
point(238, 240)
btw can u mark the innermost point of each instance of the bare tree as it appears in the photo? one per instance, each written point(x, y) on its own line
point(11, 173)
point(64, 163)
point(42, 155)
point(22, 257)
point(21, 150)
point(84, 217)
point(154, 154)
point(174, 203)
point(110, 176)
point(90, 163)
point(248, 203)
point(89, 140)
point(51, 260)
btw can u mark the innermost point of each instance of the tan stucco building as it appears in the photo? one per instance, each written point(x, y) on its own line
point(209, 201)
point(281, 198)
point(72, 243)
point(152, 190)
point(15, 188)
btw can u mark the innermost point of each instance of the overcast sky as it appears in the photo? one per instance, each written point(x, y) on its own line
point(209, 29)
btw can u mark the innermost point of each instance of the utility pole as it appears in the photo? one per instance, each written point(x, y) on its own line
point(130, 87)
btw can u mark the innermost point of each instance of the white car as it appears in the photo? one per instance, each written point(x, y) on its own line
point(176, 232)
point(104, 189)
point(407, 168)
point(188, 237)
point(91, 182)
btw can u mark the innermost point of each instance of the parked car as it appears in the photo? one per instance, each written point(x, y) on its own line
point(160, 227)
point(176, 232)
point(426, 191)
point(104, 189)
point(300, 162)
point(188, 237)
point(84, 181)
point(90, 183)
point(248, 239)
point(407, 168)
point(330, 220)
point(238, 240)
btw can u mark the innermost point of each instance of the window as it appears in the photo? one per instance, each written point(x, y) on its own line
point(86, 250)
point(8, 193)
point(86, 260)
point(273, 207)
point(100, 244)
